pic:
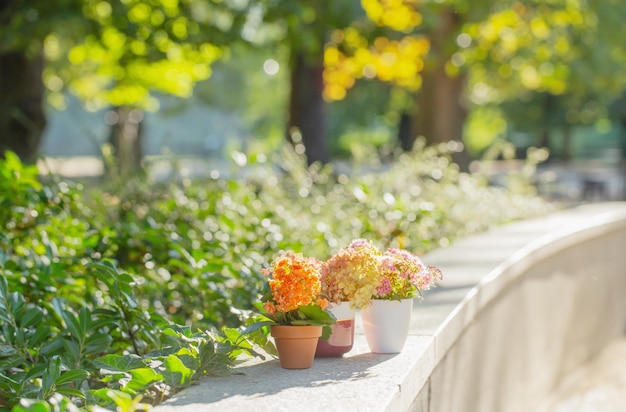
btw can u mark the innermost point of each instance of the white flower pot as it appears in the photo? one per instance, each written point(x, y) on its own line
point(386, 324)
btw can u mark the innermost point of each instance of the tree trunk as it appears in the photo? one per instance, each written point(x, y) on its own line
point(406, 137)
point(307, 112)
point(22, 118)
point(567, 144)
point(440, 112)
point(545, 132)
point(544, 137)
point(126, 139)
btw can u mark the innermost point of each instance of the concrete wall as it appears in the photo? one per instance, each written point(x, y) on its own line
point(539, 317)
point(520, 307)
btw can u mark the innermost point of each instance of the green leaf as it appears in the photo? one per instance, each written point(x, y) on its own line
point(176, 374)
point(256, 326)
point(163, 352)
point(15, 304)
point(50, 376)
point(130, 299)
point(97, 343)
point(122, 400)
point(20, 337)
point(84, 320)
point(31, 405)
point(314, 315)
point(71, 392)
point(55, 309)
point(142, 378)
point(13, 361)
point(72, 351)
point(53, 347)
point(35, 372)
point(73, 325)
point(270, 348)
point(41, 334)
point(12, 161)
point(213, 363)
point(119, 363)
point(31, 317)
point(191, 262)
point(7, 350)
point(108, 317)
point(73, 375)
point(300, 322)
point(4, 316)
point(326, 332)
point(189, 358)
point(125, 281)
point(105, 267)
point(4, 378)
point(231, 334)
point(4, 289)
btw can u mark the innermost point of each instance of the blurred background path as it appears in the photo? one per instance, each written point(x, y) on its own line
point(598, 386)
point(578, 181)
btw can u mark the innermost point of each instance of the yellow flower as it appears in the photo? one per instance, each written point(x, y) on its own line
point(352, 274)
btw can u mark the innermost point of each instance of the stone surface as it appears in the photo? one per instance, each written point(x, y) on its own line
point(370, 382)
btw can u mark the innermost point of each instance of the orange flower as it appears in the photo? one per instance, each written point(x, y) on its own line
point(270, 308)
point(294, 282)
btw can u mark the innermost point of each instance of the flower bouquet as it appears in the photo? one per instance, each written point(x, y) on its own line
point(402, 277)
point(352, 275)
point(296, 308)
point(349, 280)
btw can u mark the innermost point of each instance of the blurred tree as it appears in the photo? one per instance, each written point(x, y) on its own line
point(306, 26)
point(486, 52)
point(548, 65)
point(137, 50)
point(21, 110)
point(23, 28)
point(121, 55)
point(412, 53)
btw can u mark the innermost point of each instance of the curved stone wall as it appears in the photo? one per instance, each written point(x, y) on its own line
point(520, 307)
point(546, 309)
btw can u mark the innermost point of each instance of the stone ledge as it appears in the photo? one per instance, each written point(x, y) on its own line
point(360, 379)
point(477, 270)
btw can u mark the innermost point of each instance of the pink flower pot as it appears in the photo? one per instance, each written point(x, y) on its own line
point(341, 339)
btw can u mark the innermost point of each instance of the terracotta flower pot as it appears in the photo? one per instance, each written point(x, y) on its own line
point(341, 338)
point(386, 324)
point(296, 345)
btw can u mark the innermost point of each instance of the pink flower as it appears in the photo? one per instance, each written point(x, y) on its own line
point(357, 243)
point(359, 273)
point(384, 288)
point(404, 275)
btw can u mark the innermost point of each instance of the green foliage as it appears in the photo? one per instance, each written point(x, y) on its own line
point(132, 49)
point(18, 185)
point(545, 64)
point(121, 53)
point(47, 351)
point(73, 329)
point(120, 297)
point(483, 127)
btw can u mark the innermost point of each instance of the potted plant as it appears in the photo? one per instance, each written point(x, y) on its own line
point(402, 277)
point(295, 308)
point(349, 281)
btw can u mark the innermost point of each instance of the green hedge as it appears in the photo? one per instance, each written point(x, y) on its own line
point(127, 292)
